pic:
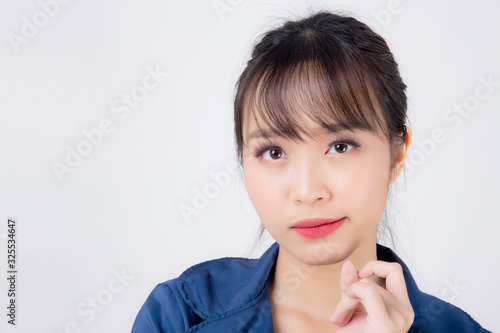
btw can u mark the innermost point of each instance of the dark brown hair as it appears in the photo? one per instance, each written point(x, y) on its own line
point(332, 68)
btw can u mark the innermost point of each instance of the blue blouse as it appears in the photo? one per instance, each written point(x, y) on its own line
point(231, 295)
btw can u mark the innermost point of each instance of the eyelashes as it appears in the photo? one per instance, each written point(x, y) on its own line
point(260, 150)
point(345, 141)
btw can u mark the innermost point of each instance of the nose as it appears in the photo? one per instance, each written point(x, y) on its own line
point(309, 182)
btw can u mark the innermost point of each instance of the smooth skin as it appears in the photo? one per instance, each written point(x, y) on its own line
point(335, 283)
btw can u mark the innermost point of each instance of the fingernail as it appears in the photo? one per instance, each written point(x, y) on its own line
point(346, 265)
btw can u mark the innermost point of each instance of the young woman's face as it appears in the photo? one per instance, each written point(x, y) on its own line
point(297, 180)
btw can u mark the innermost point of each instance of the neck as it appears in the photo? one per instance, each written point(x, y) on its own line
point(314, 289)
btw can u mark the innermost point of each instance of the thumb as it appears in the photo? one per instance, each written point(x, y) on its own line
point(348, 276)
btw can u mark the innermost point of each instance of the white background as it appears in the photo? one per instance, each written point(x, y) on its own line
point(119, 209)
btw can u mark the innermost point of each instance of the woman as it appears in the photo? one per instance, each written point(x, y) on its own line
point(320, 125)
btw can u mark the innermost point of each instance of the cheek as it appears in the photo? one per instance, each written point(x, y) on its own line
point(261, 187)
point(364, 190)
point(267, 190)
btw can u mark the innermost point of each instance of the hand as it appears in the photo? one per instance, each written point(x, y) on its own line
point(369, 308)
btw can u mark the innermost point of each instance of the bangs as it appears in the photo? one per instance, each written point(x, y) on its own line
point(333, 90)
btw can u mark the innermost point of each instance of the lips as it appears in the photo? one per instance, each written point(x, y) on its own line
point(316, 228)
point(311, 223)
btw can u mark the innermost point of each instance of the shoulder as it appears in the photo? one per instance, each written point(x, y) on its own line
point(432, 314)
point(203, 291)
point(163, 311)
point(214, 286)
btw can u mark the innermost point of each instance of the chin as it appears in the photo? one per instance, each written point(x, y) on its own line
point(322, 251)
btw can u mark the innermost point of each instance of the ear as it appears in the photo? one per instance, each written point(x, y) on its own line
point(400, 156)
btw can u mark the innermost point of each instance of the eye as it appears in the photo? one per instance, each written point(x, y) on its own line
point(269, 152)
point(343, 146)
point(272, 154)
point(340, 148)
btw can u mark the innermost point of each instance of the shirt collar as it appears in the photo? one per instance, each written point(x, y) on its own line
point(227, 283)
point(224, 285)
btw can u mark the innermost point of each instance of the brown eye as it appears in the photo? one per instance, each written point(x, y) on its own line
point(272, 154)
point(340, 148)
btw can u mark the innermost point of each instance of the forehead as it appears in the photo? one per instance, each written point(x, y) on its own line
point(257, 127)
point(256, 130)
point(307, 99)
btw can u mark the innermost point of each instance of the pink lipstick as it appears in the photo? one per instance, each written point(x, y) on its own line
point(316, 228)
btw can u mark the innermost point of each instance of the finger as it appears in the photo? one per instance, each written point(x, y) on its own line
point(393, 273)
point(344, 310)
point(348, 275)
point(370, 296)
point(401, 316)
point(389, 299)
point(350, 303)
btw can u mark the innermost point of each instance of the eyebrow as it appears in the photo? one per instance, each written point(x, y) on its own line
point(333, 127)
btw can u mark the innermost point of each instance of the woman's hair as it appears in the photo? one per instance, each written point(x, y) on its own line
point(330, 68)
